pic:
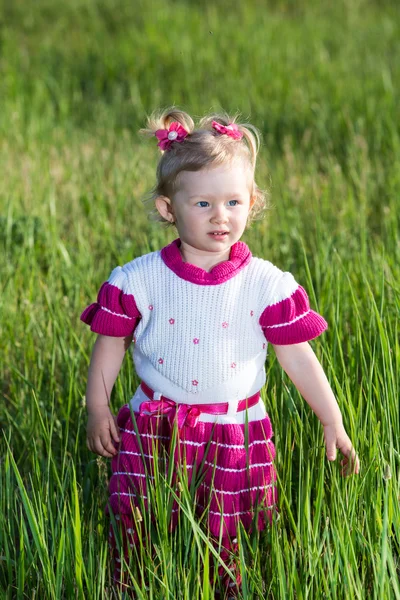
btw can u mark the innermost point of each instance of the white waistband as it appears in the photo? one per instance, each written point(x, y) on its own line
point(255, 413)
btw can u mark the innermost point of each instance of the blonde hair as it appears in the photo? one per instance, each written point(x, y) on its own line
point(202, 148)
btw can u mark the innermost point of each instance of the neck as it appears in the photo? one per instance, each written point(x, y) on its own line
point(201, 258)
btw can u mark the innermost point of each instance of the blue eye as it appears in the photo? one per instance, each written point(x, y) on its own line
point(204, 202)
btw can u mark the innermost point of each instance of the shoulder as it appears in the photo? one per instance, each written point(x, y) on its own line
point(276, 284)
point(122, 275)
point(142, 262)
point(286, 316)
point(115, 313)
point(264, 266)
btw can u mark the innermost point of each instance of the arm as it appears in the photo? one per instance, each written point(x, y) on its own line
point(304, 369)
point(107, 356)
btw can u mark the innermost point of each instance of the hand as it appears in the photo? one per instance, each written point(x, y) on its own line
point(336, 437)
point(101, 431)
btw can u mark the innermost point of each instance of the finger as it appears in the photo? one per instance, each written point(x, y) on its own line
point(89, 444)
point(114, 430)
point(348, 471)
point(350, 466)
point(107, 444)
point(330, 442)
point(356, 465)
point(351, 459)
point(98, 448)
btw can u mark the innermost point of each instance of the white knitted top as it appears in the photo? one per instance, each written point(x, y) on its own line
point(202, 337)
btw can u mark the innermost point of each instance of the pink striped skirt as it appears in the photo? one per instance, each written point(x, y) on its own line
point(233, 466)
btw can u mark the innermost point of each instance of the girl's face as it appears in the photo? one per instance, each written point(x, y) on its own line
point(216, 199)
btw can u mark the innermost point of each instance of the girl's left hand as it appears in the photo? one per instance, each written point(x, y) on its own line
point(336, 437)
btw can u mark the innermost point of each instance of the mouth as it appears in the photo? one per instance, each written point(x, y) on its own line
point(218, 233)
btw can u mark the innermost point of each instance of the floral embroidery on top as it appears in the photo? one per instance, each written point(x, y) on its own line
point(225, 324)
point(195, 382)
point(233, 365)
point(196, 341)
point(151, 307)
point(172, 321)
point(251, 313)
point(264, 346)
point(161, 361)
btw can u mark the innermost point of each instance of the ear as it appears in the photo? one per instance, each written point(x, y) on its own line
point(252, 202)
point(164, 207)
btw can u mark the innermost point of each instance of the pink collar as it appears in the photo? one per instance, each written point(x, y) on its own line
point(239, 257)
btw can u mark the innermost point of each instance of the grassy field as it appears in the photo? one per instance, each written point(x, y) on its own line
point(76, 81)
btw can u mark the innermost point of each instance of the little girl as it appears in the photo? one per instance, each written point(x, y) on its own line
point(201, 312)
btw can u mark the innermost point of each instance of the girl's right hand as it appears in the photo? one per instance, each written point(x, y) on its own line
point(101, 431)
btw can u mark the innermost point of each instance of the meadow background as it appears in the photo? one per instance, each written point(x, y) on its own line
point(321, 81)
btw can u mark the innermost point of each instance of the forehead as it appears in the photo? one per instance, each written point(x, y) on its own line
point(232, 178)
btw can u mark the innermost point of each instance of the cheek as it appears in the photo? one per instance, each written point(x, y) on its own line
point(188, 219)
point(193, 216)
point(242, 214)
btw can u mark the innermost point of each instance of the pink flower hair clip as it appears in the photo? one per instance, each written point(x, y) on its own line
point(232, 130)
point(175, 133)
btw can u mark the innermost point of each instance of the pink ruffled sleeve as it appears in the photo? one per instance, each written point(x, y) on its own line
point(115, 313)
point(289, 319)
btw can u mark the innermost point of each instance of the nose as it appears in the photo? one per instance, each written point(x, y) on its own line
point(219, 214)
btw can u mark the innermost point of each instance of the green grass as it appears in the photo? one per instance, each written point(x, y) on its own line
point(321, 82)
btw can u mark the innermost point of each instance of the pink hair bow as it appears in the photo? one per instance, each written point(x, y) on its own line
point(231, 130)
point(175, 133)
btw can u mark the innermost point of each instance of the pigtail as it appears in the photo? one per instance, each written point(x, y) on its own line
point(251, 134)
point(253, 139)
point(223, 118)
point(162, 119)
